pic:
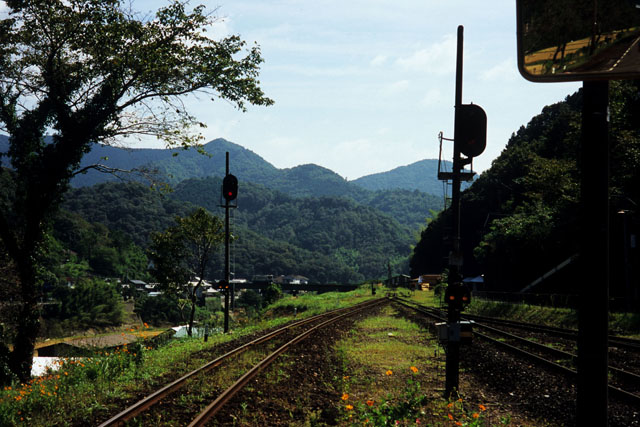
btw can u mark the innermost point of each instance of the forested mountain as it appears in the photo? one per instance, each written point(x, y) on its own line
point(328, 238)
point(421, 176)
point(174, 166)
point(519, 218)
point(402, 198)
point(327, 227)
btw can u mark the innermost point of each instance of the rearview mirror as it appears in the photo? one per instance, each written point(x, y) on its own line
point(573, 40)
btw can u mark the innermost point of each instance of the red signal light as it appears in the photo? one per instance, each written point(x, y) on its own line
point(230, 187)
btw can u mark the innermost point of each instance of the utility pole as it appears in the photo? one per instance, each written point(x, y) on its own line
point(593, 301)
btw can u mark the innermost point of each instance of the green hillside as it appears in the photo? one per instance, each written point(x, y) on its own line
point(421, 176)
point(326, 238)
point(520, 218)
point(173, 166)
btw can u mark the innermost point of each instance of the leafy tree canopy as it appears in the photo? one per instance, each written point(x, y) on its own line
point(89, 71)
point(520, 218)
point(183, 252)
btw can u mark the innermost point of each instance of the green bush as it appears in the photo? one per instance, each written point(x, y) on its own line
point(90, 303)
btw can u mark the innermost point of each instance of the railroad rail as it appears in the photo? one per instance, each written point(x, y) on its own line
point(325, 319)
point(619, 373)
point(614, 340)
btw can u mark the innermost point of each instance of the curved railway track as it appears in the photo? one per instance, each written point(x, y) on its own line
point(629, 379)
point(312, 324)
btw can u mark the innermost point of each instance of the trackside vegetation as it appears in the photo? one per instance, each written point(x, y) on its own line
point(86, 390)
point(390, 370)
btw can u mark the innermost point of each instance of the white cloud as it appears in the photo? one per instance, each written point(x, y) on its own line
point(438, 58)
point(432, 98)
point(222, 27)
point(378, 60)
point(506, 70)
point(318, 71)
point(396, 87)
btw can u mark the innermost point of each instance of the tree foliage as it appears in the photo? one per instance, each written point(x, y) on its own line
point(520, 218)
point(183, 252)
point(325, 239)
point(88, 71)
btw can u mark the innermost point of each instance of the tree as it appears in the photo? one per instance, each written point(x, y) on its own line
point(183, 252)
point(92, 71)
point(272, 293)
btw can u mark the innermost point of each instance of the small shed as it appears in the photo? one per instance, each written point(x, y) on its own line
point(428, 281)
point(474, 283)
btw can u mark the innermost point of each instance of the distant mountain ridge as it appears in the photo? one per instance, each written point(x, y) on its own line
point(421, 176)
point(174, 166)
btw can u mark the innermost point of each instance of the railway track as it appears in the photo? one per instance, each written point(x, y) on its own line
point(614, 341)
point(561, 361)
point(309, 326)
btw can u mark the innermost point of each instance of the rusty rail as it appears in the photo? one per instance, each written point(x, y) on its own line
point(146, 403)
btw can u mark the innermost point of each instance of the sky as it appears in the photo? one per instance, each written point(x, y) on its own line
point(365, 86)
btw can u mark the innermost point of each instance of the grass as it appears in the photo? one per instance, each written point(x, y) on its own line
point(390, 369)
point(393, 376)
point(86, 390)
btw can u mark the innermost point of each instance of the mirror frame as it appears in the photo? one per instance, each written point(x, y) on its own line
point(554, 78)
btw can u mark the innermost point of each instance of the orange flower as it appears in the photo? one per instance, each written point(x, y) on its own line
point(458, 423)
point(450, 417)
point(370, 402)
point(450, 405)
point(475, 415)
point(146, 325)
point(389, 372)
point(345, 396)
point(414, 369)
point(349, 407)
point(482, 407)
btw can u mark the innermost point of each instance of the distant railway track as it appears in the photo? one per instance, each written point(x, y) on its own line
point(310, 325)
point(539, 352)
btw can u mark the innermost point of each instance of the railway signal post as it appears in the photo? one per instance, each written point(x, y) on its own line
point(470, 132)
point(229, 193)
